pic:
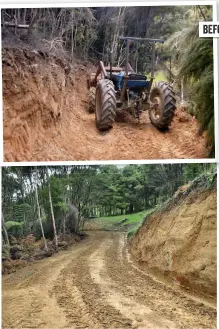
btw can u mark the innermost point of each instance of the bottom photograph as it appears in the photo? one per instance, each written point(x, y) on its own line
point(109, 246)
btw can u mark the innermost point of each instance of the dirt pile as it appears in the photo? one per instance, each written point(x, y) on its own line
point(179, 240)
point(24, 251)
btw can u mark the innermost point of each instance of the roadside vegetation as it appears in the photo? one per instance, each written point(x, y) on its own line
point(206, 180)
point(35, 200)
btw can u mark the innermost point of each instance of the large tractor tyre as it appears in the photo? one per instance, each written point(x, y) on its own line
point(105, 104)
point(92, 96)
point(163, 105)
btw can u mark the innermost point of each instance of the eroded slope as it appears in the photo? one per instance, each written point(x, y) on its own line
point(180, 239)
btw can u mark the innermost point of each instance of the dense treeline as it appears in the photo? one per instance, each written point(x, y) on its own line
point(93, 31)
point(35, 200)
point(90, 33)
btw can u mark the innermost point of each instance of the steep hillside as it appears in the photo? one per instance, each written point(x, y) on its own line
point(179, 240)
point(40, 91)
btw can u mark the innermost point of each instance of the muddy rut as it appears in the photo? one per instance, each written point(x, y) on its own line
point(46, 118)
point(95, 285)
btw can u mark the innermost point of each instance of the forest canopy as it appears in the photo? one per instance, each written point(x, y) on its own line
point(91, 32)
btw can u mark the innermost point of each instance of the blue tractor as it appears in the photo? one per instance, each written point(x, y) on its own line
point(115, 88)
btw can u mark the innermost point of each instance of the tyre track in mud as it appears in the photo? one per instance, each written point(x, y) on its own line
point(95, 285)
point(26, 296)
point(186, 313)
point(93, 311)
point(78, 139)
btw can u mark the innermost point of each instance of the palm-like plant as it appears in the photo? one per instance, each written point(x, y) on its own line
point(195, 66)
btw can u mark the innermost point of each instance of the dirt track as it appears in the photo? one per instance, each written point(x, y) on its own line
point(128, 140)
point(96, 286)
point(46, 119)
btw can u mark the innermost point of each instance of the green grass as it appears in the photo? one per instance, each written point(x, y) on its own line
point(131, 225)
point(160, 76)
point(133, 230)
point(132, 218)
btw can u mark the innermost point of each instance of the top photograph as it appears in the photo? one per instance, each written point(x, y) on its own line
point(107, 83)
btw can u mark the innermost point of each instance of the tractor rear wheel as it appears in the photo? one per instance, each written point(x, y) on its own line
point(92, 96)
point(105, 104)
point(163, 105)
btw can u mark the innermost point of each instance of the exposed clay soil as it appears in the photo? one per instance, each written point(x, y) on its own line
point(46, 118)
point(181, 241)
point(95, 285)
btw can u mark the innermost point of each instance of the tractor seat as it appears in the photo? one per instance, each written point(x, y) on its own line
point(134, 76)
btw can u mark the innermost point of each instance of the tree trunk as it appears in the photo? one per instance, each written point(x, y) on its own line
point(52, 213)
point(5, 231)
point(72, 37)
point(83, 222)
point(64, 227)
point(39, 217)
point(182, 90)
point(32, 23)
point(131, 208)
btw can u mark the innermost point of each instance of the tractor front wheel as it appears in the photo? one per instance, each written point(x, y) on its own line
point(105, 104)
point(163, 105)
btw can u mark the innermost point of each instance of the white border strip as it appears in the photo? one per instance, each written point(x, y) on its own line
point(109, 3)
point(106, 162)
